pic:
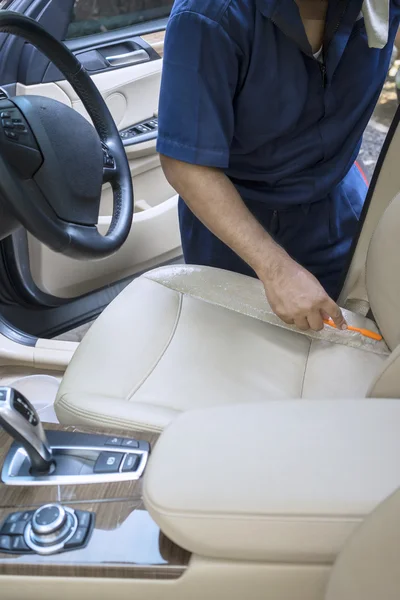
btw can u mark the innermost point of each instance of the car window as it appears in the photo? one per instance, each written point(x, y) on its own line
point(98, 16)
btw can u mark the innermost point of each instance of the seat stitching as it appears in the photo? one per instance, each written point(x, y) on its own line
point(106, 420)
point(305, 368)
point(135, 389)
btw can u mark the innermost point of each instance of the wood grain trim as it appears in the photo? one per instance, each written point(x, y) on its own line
point(156, 41)
point(102, 571)
point(120, 516)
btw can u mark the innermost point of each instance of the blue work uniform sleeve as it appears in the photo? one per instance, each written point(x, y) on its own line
point(200, 74)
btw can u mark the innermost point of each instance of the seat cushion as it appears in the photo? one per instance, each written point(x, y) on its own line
point(159, 349)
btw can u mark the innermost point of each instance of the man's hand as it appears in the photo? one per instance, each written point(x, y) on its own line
point(298, 298)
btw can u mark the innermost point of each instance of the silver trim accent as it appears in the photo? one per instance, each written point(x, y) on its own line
point(52, 527)
point(52, 549)
point(128, 58)
point(16, 457)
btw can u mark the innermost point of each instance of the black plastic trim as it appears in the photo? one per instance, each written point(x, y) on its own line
point(16, 256)
point(134, 139)
point(50, 322)
point(16, 335)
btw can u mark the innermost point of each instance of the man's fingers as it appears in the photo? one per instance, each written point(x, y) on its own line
point(334, 312)
point(315, 320)
point(302, 323)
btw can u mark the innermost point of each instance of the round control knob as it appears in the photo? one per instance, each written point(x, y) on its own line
point(50, 528)
point(48, 519)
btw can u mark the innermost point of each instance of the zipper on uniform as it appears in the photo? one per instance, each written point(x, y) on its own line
point(323, 74)
point(274, 226)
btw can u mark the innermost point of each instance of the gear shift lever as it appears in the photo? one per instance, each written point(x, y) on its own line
point(21, 421)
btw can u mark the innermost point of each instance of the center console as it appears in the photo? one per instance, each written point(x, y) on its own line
point(252, 500)
point(71, 501)
point(61, 457)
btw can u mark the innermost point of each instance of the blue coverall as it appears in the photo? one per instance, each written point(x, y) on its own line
point(242, 91)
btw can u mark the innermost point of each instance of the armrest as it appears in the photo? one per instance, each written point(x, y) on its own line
point(281, 481)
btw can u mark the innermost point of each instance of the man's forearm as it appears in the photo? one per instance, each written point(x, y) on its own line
point(293, 293)
point(215, 201)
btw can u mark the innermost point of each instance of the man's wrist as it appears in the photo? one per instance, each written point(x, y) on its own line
point(270, 261)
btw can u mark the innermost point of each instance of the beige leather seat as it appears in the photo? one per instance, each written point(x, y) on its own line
point(182, 337)
point(368, 566)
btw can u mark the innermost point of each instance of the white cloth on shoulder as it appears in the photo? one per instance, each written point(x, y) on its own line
point(376, 16)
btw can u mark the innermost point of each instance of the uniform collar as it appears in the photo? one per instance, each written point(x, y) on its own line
point(285, 14)
point(376, 13)
point(341, 17)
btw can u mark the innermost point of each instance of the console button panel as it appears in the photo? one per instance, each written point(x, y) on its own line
point(80, 458)
point(50, 529)
point(141, 132)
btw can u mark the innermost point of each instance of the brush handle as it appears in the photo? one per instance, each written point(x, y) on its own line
point(365, 332)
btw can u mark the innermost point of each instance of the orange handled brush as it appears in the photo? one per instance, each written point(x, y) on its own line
point(365, 332)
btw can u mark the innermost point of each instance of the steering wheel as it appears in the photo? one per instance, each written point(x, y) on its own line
point(53, 163)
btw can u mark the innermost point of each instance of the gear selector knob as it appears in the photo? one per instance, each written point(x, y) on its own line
point(19, 418)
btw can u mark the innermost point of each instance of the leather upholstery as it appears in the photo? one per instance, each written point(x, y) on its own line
point(368, 566)
point(180, 338)
point(156, 352)
point(280, 481)
point(383, 268)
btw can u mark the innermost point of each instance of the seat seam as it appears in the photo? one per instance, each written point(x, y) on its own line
point(106, 420)
point(136, 388)
point(305, 369)
point(389, 362)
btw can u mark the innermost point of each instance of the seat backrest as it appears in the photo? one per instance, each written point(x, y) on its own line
point(368, 566)
point(383, 274)
point(384, 186)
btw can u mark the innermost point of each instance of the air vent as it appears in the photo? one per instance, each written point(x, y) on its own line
point(3, 94)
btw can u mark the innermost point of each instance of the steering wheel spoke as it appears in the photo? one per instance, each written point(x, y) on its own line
point(53, 162)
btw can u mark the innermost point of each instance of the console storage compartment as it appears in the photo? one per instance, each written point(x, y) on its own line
point(283, 481)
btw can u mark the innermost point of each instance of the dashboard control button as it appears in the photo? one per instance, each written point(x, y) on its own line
point(84, 518)
point(78, 539)
point(16, 528)
point(18, 544)
point(25, 516)
point(48, 519)
point(19, 516)
point(14, 517)
point(11, 135)
point(108, 462)
point(130, 443)
point(5, 542)
point(114, 441)
point(130, 463)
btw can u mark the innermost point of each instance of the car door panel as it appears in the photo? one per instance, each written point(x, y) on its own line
point(131, 94)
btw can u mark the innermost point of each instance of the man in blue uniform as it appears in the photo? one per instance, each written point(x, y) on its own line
point(263, 105)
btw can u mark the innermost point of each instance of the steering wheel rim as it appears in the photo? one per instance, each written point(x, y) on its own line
point(73, 239)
